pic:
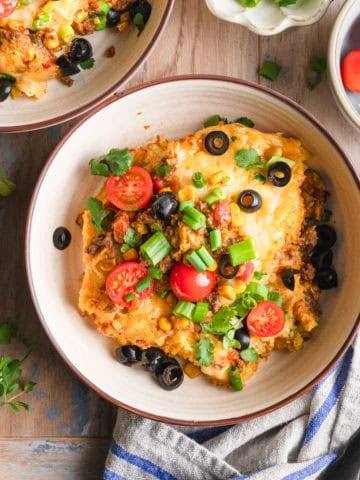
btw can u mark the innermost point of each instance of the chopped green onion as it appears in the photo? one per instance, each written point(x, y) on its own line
point(258, 291)
point(205, 256)
point(198, 180)
point(227, 181)
point(270, 70)
point(194, 218)
point(194, 260)
point(215, 239)
point(143, 284)
point(258, 275)
point(155, 272)
point(155, 248)
point(233, 138)
point(248, 302)
point(104, 7)
point(164, 293)
point(276, 298)
point(260, 178)
point(66, 32)
point(242, 252)
point(235, 378)
point(277, 159)
point(184, 309)
point(200, 311)
point(185, 204)
point(163, 169)
point(129, 297)
point(41, 21)
point(102, 22)
point(214, 196)
point(124, 248)
point(155, 227)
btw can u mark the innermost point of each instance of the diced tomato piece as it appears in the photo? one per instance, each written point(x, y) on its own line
point(159, 183)
point(7, 7)
point(120, 225)
point(221, 214)
point(245, 271)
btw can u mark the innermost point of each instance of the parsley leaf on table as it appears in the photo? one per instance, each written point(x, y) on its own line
point(314, 72)
point(270, 70)
point(6, 186)
point(7, 333)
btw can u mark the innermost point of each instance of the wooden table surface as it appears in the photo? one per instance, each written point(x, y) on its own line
point(66, 433)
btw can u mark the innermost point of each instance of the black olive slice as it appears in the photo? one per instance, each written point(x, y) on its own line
point(61, 238)
point(249, 201)
point(67, 67)
point(217, 142)
point(326, 278)
point(279, 174)
point(151, 358)
point(170, 375)
point(164, 206)
point(225, 268)
point(326, 237)
point(113, 17)
point(322, 259)
point(287, 277)
point(242, 335)
point(128, 354)
point(80, 50)
point(5, 88)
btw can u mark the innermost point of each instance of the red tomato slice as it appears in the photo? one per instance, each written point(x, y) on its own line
point(221, 214)
point(7, 7)
point(266, 319)
point(122, 280)
point(245, 271)
point(120, 225)
point(350, 71)
point(189, 284)
point(131, 191)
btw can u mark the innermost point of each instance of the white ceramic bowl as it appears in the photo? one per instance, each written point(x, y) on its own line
point(267, 18)
point(90, 87)
point(345, 36)
point(55, 276)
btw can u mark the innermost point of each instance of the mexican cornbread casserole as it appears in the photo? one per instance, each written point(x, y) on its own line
point(209, 248)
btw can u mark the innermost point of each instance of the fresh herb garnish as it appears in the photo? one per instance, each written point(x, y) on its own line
point(229, 341)
point(259, 275)
point(214, 120)
point(87, 64)
point(270, 70)
point(118, 161)
point(249, 354)
point(325, 215)
point(204, 352)
point(260, 178)
point(163, 169)
point(6, 186)
point(98, 213)
point(235, 378)
point(248, 159)
point(245, 121)
point(131, 237)
point(285, 3)
point(233, 138)
point(138, 21)
point(7, 332)
point(276, 298)
point(314, 72)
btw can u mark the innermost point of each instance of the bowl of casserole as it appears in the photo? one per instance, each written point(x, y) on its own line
point(59, 59)
point(80, 290)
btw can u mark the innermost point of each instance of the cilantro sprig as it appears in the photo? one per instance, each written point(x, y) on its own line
point(98, 213)
point(314, 72)
point(117, 161)
point(248, 158)
point(204, 352)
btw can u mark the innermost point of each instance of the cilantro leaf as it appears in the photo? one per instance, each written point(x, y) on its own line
point(314, 72)
point(229, 341)
point(245, 121)
point(131, 237)
point(248, 159)
point(6, 186)
point(118, 161)
point(7, 333)
point(260, 178)
point(270, 70)
point(98, 214)
point(249, 354)
point(204, 352)
point(87, 64)
point(221, 322)
point(99, 167)
point(214, 120)
point(258, 275)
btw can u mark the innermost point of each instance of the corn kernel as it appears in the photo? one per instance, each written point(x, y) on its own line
point(216, 178)
point(80, 16)
point(131, 254)
point(187, 193)
point(48, 7)
point(237, 218)
point(171, 299)
point(165, 324)
point(191, 370)
point(141, 228)
point(165, 189)
point(213, 267)
point(51, 40)
point(239, 286)
point(122, 26)
point(227, 291)
point(182, 322)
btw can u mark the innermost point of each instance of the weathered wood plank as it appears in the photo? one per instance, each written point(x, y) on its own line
point(53, 458)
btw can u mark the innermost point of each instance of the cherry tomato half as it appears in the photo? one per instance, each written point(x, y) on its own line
point(221, 214)
point(159, 183)
point(189, 284)
point(350, 71)
point(131, 191)
point(122, 281)
point(7, 7)
point(245, 271)
point(120, 225)
point(266, 319)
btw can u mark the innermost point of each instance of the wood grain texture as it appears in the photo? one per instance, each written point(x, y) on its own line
point(194, 42)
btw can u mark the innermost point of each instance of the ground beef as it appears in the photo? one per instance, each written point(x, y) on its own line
point(166, 264)
point(314, 194)
point(100, 242)
point(307, 272)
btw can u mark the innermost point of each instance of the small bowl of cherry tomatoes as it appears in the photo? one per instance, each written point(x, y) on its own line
point(344, 61)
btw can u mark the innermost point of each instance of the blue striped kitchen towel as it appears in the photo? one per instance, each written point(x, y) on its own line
point(295, 442)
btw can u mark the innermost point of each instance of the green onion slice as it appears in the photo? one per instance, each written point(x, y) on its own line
point(215, 240)
point(214, 196)
point(129, 297)
point(155, 272)
point(143, 284)
point(185, 204)
point(155, 248)
point(242, 252)
point(200, 311)
point(258, 291)
point(184, 309)
point(234, 378)
point(194, 218)
point(163, 169)
point(198, 180)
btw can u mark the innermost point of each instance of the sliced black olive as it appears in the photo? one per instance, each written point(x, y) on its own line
point(249, 201)
point(141, 7)
point(217, 142)
point(67, 67)
point(113, 17)
point(322, 259)
point(61, 238)
point(5, 88)
point(326, 237)
point(287, 277)
point(170, 375)
point(227, 270)
point(80, 50)
point(326, 278)
point(151, 358)
point(128, 354)
point(242, 334)
point(164, 206)
point(279, 174)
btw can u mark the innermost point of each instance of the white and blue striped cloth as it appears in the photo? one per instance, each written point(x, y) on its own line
point(295, 442)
